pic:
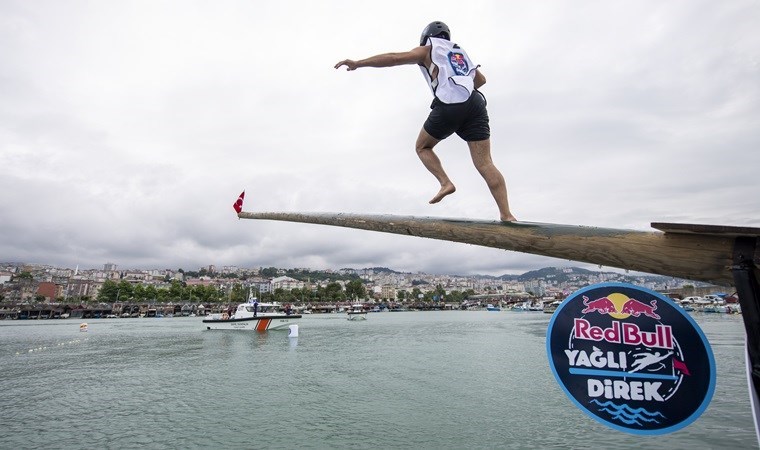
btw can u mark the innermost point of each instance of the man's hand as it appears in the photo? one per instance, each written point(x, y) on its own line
point(349, 63)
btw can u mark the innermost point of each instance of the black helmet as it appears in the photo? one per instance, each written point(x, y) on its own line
point(435, 29)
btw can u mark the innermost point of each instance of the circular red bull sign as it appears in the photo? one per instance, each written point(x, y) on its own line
point(631, 358)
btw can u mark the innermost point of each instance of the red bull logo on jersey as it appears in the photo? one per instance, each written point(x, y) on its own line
point(459, 63)
point(630, 358)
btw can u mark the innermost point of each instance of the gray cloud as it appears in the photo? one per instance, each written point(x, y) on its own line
point(128, 129)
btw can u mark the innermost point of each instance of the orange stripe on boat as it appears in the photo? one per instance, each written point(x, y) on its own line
point(263, 324)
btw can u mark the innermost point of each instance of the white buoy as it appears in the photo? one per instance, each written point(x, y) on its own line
point(293, 331)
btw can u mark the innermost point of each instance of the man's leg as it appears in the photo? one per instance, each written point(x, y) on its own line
point(480, 151)
point(425, 144)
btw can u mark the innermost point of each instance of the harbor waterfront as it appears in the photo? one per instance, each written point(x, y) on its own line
point(432, 379)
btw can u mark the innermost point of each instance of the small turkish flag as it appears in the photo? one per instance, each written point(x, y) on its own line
point(238, 205)
point(680, 365)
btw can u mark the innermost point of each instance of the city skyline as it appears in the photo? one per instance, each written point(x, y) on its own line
point(20, 282)
point(259, 272)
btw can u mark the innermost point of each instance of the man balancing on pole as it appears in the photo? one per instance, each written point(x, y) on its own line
point(458, 108)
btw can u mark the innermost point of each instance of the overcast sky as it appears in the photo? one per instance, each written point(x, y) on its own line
point(128, 128)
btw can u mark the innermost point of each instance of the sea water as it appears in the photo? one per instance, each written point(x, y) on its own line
point(451, 379)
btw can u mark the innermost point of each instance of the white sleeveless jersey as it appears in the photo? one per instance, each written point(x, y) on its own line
point(456, 72)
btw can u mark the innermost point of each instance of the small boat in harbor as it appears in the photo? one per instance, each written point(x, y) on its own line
point(686, 304)
point(549, 308)
point(520, 307)
point(491, 307)
point(252, 316)
point(357, 312)
point(722, 309)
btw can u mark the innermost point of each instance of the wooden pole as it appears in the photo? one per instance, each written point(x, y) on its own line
point(694, 252)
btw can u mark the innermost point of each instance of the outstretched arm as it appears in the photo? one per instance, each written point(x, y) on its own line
point(414, 56)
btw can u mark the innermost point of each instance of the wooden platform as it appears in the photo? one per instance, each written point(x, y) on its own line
point(715, 230)
point(695, 252)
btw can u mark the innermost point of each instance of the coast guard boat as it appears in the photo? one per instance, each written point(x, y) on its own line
point(357, 312)
point(252, 316)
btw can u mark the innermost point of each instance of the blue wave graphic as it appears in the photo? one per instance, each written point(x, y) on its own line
point(628, 415)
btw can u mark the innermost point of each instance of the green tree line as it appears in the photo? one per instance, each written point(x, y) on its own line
point(178, 292)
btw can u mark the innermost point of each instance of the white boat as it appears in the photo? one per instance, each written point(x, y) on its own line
point(520, 307)
point(536, 306)
point(491, 307)
point(357, 312)
point(723, 309)
point(687, 305)
point(697, 302)
point(549, 308)
point(252, 316)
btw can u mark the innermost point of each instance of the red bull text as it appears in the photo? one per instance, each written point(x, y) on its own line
point(625, 333)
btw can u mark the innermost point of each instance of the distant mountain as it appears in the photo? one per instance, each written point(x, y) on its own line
point(381, 270)
point(558, 273)
point(555, 273)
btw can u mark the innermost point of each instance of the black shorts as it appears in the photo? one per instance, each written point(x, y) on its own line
point(469, 119)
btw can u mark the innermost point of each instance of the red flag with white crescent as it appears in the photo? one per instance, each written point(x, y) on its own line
point(238, 205)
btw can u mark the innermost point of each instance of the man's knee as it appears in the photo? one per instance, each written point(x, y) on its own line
point(420, 149)
point(425, 142)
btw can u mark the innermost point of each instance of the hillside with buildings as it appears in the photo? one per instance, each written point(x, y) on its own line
point(26, 283)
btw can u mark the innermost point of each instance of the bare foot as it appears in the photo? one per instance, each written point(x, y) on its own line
point(446, 189)
point(509, 218)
